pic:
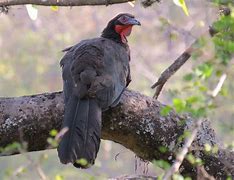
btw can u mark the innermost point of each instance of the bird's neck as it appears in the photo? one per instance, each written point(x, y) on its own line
point(110, 33)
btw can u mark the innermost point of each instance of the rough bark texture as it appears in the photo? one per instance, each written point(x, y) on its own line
point(61, 2)
point(135, 123)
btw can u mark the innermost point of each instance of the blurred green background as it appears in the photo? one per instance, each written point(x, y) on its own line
point(30, 51)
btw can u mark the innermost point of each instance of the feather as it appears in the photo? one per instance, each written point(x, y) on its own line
point(82, 141)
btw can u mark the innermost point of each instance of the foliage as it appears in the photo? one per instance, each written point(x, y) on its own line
point(224, 38)
point(198, 98)
point(223, 2)
point(183, 5)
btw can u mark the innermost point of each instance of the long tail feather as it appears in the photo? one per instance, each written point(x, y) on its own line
point(81, 143)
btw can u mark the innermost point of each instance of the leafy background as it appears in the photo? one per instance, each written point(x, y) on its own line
point(30, 51)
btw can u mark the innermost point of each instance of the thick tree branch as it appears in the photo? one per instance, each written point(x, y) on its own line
point(4, 3)
point(135, 123)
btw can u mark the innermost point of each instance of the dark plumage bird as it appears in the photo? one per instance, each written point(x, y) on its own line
point(95, 73)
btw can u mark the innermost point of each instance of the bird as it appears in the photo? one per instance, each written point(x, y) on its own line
point(95, 73)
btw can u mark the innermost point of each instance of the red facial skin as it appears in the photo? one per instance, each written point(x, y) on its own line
point(123, 30)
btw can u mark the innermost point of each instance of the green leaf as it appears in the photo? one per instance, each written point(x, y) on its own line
point(44, 156)
point(182, 4)
point(59, 177)
point(162, 164)
point(215, 149)
point(21, 170)
point(188, 77)
point(190, 157)
point(224, 91)
point(15, 146)
point(201, 112)
point(192, 99)
point(53, 132)
point(218, 73)
point(223, 2)
point(165, 110)
point(162, 149)
point(82, 162)
point(52, 142)
point(203, 88)
point(204, 70)
point(229, 178)
point(194, 160)
point(179, 104)
point(181, 122)
point(184, 135)
point(177, 177)
point(54, 8)
point(9, 172)
point(224, 38)
point(198, 161)
point(207, 147)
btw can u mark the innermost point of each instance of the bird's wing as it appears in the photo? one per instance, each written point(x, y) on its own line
point(99, 69)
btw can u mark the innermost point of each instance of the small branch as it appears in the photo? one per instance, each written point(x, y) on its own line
point(148, 3)
point(134, 177)
point(202, 174)
point(181, 155)
point(180, 61)
point(219, 85)
point(31, 162)
point(5, 3)
point(171, 70)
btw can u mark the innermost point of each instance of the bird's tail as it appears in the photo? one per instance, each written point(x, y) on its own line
point(80, 144)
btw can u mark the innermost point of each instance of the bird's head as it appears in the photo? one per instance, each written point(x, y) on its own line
point(119, 27)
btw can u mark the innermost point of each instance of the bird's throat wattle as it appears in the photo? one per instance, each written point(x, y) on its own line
point(123, 31)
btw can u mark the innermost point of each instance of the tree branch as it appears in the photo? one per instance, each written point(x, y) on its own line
point(183, 58)
point(181, 155)
point(135, 123)
point(166, 74)
point(4, 3)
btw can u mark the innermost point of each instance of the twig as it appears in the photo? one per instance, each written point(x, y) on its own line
point(181, 155)
point(4, 9)
point(6, 3)
point(23, 151)
point(36, 165)
point(182, 59)
point(148, 3)
point(134, 176)
point(40, 172)
point(171, 70)
point(20, 169)
point(60, 134)
point(202, 174)
point(219, 85)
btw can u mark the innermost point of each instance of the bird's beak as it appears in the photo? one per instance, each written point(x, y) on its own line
point(133, 21)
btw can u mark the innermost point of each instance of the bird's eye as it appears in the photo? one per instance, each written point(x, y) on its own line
point(124, 19)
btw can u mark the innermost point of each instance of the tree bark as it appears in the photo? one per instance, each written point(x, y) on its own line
point(62, 2)
point(135, 123)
